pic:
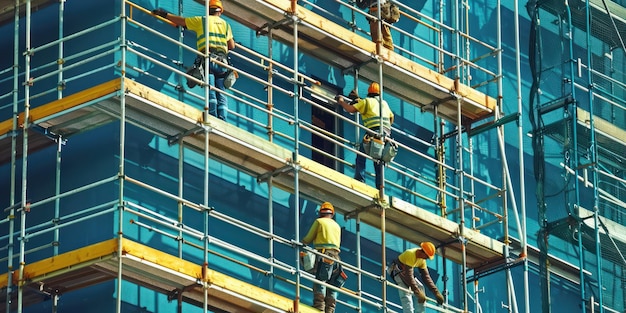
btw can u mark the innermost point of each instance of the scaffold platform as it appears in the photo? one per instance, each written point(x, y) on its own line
point(169, 118)
point(148, 267)
point(340, 47)
point(609, 137)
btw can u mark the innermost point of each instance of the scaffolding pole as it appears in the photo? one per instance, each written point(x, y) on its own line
point(26, 126)
point(122, 161)
point(296, 127)
point(593, 159)
point(14, 133)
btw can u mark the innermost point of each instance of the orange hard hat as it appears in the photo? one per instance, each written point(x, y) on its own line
point(429, 249)
point(374, 88)
point(326, 208)
point(216, 4)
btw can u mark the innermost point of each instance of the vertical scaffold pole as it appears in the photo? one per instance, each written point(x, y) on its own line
point(357, 131)
point(57, 191)
point(459, 155)
point(520, 137)
point(205, 242)
point(296, 126)
point(59, 140)
point(461, 204)
point(383, 254)
point(181, 142)
point(60, 60)
point(476, 292)
point(270, 86)
point(181, 188)
point(60, 87)
point(206, 52)
point(593, 156)
point(270, 221)
point(359, 276)
point(121, 171)
point(24, 207)
point(440, 149)
point(205, 306)
point(441, 55)
point(181, 59)
point(472, 187)
point(380, 165)
point(16, 75)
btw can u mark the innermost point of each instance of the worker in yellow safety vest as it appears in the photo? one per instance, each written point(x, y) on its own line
point(401, 272)
point(325, 234)
point(220, 41)
point(370, 109)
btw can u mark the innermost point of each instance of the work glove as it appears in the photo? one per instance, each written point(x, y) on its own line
point(440, 298)
point(420, 295)
point(353, 95)
point(160, 12)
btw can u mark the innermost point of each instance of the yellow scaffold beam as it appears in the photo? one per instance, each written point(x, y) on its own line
point(98, 262)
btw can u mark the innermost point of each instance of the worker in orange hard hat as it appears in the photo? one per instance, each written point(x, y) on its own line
point(401, 272)
point(220, 42)
point(325, 234)
point(370, 110)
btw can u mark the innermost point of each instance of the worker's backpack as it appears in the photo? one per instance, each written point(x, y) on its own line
point(389, 12)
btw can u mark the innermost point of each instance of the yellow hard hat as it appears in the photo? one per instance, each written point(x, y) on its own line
point(326, 208)
point(216, 4)
point(429, 249)
point(374, 88)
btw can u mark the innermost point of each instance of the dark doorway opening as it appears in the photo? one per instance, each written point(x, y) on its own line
point(325, 151)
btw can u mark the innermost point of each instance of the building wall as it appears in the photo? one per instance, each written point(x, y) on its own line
point(94, 155)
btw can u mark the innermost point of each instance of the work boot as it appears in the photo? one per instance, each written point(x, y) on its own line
point(330, 305)
point(318, 301)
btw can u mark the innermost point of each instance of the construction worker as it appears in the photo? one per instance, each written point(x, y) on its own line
point(369, 108)
point(325, 234)
point(386, 15)
point(401, 272)
point(220, 40)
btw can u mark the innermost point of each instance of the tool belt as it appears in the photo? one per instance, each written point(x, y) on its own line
point(220, 56)
point(325, 266)
point(395, 268)
point(388, 11)
point(338, 278)
point(375, 147)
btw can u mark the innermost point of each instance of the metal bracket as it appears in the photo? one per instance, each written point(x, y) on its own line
point(354, 213)
point(285, 169)
point(15, 206)
point(171, 140)
point(177, 293)
point(261, 31)
point(206, 208)
point(355, 67)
